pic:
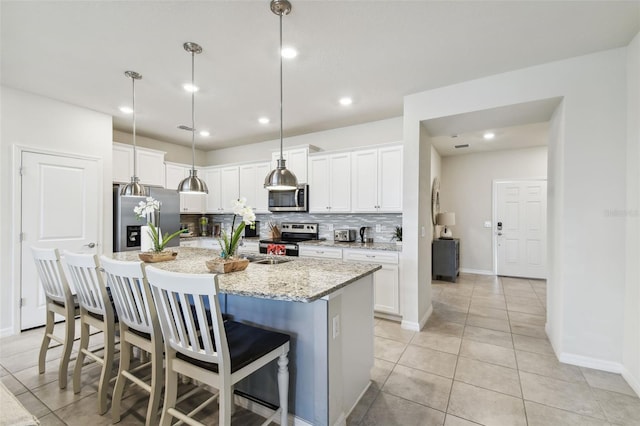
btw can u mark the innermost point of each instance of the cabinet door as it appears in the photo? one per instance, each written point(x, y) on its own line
point(173, 175)
point(122, 158)
point(320, 252)
point(364, 189)
point(339, 178)
point(150, 167)
point(247, 185)
point(192, 203)
point(262, 195)
point(229, 187)
point(385, 282)
point(390, 179)
point(297, 163)
point(319, 200)
point(213, 198)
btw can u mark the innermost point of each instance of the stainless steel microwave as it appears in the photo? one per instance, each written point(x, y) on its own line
point(294, 200)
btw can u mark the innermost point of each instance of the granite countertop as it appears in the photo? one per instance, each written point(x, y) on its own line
point(300, 280)
point(391, 246)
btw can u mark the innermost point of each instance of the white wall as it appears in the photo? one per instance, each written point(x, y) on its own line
point(632, 295)
point(436, 172)
point(593, 88)
point(466, 189)
point(46, 124)
point(174, 153)
point(373, 133)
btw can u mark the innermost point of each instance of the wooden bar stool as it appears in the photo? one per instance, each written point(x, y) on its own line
point(96, 311)
point(219, 357)
point(139, 327)
point(59, 300)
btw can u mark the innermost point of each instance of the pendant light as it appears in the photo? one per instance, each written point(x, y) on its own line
point(193, 184)
point(134, 189)
point(281, 179)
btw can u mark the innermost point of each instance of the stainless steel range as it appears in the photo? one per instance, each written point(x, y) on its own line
point(290, 234)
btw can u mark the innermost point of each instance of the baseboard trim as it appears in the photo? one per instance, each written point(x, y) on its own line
point(476, 271)
point(390, 317)
point(595, 363)
point(417, 326)
point(6, 332)
point(634, 382)
point(263, 411)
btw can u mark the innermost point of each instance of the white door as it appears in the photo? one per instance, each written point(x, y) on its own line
point(61, 209)
point(521, 228)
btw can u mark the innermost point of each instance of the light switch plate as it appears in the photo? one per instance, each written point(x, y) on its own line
point(487, 224)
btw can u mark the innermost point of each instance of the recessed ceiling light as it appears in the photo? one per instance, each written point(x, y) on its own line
point(488, 136)
point(190, 87)
point(126, 110)
point(263, 120)
point(204, 133)
point(289, 52)
point(345, 101)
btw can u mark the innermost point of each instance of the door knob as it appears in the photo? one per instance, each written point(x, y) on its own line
point(90, 245)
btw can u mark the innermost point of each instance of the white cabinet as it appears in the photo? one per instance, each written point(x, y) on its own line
point(122, 159)
point(320, 252)
point(252, 185)
point(189, 203)
point(296, 161)
point(376, 184)
point(385, 281)
point(223, 183)
point(150, 165)
point(329, 178)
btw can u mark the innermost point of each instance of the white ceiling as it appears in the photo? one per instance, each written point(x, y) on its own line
point(374, 51)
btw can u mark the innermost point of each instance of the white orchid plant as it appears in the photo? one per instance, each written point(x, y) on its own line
point(146, 210)
point(229, 242)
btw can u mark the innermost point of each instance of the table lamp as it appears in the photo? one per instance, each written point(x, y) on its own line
point(446, 219)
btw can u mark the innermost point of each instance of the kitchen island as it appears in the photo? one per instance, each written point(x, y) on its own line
point(326, 306)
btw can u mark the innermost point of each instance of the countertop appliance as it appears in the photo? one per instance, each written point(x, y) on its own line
point(344, 235)
point(126, 227)
point(365, 235)
point(291, 234)
point(295, 200)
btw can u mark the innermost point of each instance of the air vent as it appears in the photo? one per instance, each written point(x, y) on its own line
point(466, 145)
point(187, 128)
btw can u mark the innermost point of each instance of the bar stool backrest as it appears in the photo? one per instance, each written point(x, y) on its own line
point(84, 272)
point(182, 301)
point(52, 277)
point(131, 295)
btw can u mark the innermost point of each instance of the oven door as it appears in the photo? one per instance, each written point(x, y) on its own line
point(279, 249)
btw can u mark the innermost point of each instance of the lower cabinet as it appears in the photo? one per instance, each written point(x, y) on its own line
point(386, 280)
point(320, 252)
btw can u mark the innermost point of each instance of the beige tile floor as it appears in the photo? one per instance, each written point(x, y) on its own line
point(483, 358)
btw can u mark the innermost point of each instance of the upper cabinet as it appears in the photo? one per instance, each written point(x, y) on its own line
point(252, 185)
point(376, 184)
point(150, 165)
point(296, 161)
point(329, 177)
point(223, 183)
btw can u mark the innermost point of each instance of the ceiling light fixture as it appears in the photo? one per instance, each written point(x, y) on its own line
point(133, 188)
point(189, 87)
point(126, 110)
point(205, 133)
point(193, 184)
point(488, 136)
point(263, 120)
point(288, 52)
point(345, 101)
point(281, 179)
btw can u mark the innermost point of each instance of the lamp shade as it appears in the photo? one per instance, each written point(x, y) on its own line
point(281, 179)
point(133, 189)
point(193, 184)
point(446, 219)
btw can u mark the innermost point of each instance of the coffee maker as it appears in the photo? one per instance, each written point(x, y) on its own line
point(366, 236)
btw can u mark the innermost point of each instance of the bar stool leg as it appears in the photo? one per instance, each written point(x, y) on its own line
point(69, 335)
point(107, 367)
point(84, 344)
point(46, 341)
point(283, 387)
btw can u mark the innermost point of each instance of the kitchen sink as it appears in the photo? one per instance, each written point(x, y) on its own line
point(272, 261)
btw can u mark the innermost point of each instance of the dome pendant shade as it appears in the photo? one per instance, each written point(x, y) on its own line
point(134, 188)
point(281, 178)
point(193, 184)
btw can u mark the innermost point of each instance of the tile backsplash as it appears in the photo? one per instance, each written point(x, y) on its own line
point(386, 222)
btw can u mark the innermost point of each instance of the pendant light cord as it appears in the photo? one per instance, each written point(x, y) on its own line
point(280, 54)
point(193, 114)
point(135, 160)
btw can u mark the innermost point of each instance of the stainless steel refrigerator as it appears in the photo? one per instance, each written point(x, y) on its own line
point(126, 227)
